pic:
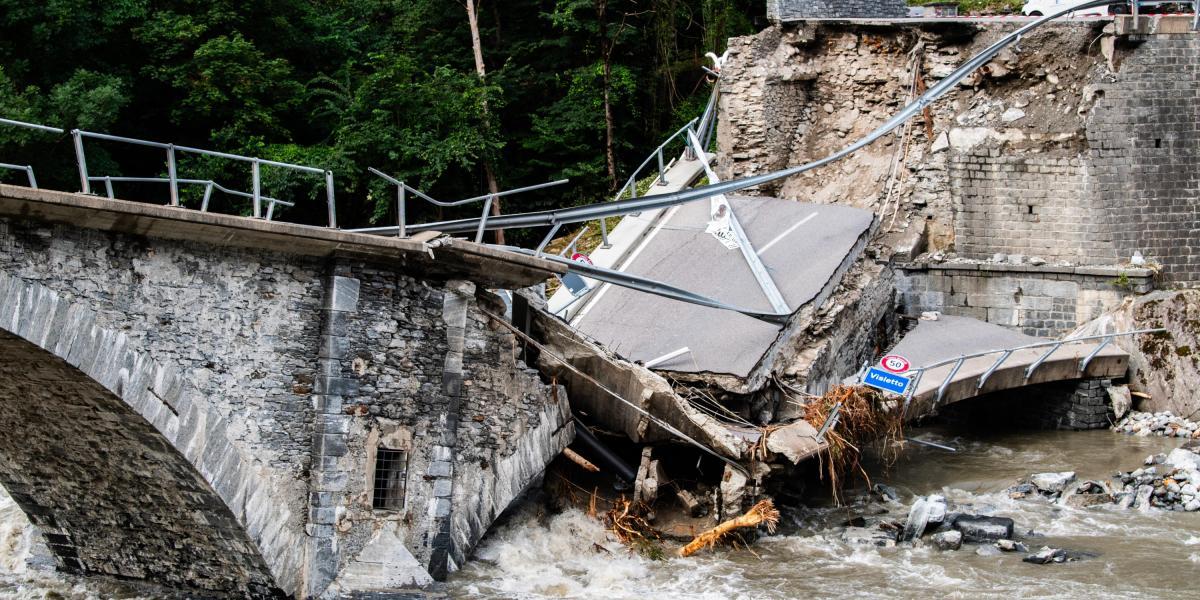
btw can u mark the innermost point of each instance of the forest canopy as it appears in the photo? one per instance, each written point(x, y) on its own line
point(348, 84)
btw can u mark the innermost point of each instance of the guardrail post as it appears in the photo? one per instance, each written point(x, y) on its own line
point(946, 382)
point(81, 161)
point(330, 198)
point(1083, 364)
point(1134, 5)
point(487, 208)
point(108, 187)
point(29, 174)
point(1196, 15)
point(171, 175)
point(604, 234)
point(256, 186)
point(208, 188)
point(270, 210)
point(401, 200)
point(546, 240)
point(662, 173)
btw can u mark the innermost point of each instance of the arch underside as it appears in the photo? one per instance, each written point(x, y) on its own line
point(108, 492)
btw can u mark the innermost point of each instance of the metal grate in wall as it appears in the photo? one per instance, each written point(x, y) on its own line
point(391, 468)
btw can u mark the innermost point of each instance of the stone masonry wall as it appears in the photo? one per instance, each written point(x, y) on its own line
point(226, 341)
point(793, 10)
point(431, 375)
point(1044, 302)
point(1075, 146)
point(277, 378)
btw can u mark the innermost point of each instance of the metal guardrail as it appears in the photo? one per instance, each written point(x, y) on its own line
point(172, 179)
point(403, 189)
point(28, 169)
point(209, 186)
point(634, 205)
point(1005, 354)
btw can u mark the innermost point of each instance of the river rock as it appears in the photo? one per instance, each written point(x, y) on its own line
point(1142, 500)
point(1010, 546)
point(1183, 459)
point(885, 492)
point(1021, 490)
point(947, 540)
point(1052, 483)
point(863, 536)
point(980, 529)
point(988, 550)
point(1046, 556)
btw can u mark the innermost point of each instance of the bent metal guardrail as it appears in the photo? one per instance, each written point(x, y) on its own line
point(560, 217)
point(1005, 354)
point(172, 180)
point(403, 189)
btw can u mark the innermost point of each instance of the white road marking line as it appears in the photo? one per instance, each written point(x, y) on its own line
point(583, 310)
point(768, 245)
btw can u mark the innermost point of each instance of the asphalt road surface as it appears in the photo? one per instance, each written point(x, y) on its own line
point(802, 245)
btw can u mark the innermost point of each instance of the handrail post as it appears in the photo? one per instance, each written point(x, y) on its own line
point(208, 189)
point(1083, 364)
point(546, 240)
point(912, 390)
point(401, 220)
point(81, 161)
point(992, 369)
point(256, 186)
point(604, 234)
point(1041, 359)
point(662, 173)
point(330, 198)
point(171, 175)
point(487, 208)
point(946, 382)
point(270, 210)
point(1134, 4)
point(108, 187)
point(29, 174)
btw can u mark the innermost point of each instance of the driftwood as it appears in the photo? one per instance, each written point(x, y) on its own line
point(579, 460)
point(762, 513)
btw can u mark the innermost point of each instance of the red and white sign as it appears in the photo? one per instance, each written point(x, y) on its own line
point(582, 258)
point(894, 363)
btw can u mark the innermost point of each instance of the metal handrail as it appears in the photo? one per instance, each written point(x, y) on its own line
point(173, 180)
point(209, 186)
point(28, 169)
point(402, 202)
point(916, 374)
point(28, 172)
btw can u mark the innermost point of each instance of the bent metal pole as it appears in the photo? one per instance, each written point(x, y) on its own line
point(623, 207)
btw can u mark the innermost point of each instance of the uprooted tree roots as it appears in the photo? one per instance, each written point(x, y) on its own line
point(625, 521)
point(763, 513)
point(863, 418)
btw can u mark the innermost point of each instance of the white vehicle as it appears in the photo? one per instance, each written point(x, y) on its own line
point(1038, 8)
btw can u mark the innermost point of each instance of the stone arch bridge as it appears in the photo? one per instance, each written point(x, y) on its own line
point(207, 402)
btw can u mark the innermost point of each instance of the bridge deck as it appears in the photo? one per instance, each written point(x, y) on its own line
point(457, 259)
point(950, 337)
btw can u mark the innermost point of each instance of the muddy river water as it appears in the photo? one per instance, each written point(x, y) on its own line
point(1140, 554)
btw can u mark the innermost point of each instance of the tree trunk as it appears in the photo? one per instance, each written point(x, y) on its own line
point(606, 49)
point(482, 72)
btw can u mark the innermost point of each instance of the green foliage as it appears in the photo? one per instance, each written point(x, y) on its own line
point(345, 85)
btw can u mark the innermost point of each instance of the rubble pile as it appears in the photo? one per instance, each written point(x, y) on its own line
point(1160, 423)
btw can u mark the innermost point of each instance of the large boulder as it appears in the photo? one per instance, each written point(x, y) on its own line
point(980, 529)
point(1165, 366)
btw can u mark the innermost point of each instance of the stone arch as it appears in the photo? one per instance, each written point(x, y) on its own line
point(125, 468)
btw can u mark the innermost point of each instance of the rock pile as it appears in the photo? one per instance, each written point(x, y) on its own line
point(1170, 482)
point(1145, 424)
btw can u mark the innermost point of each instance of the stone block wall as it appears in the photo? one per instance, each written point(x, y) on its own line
point(1033, 205)
point(795, 10)
point(1143, 148)
point(1045, 302)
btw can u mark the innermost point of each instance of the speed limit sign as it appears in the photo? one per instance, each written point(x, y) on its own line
point(895, 363)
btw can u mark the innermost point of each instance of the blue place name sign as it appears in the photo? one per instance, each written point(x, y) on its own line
point(888, 382)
